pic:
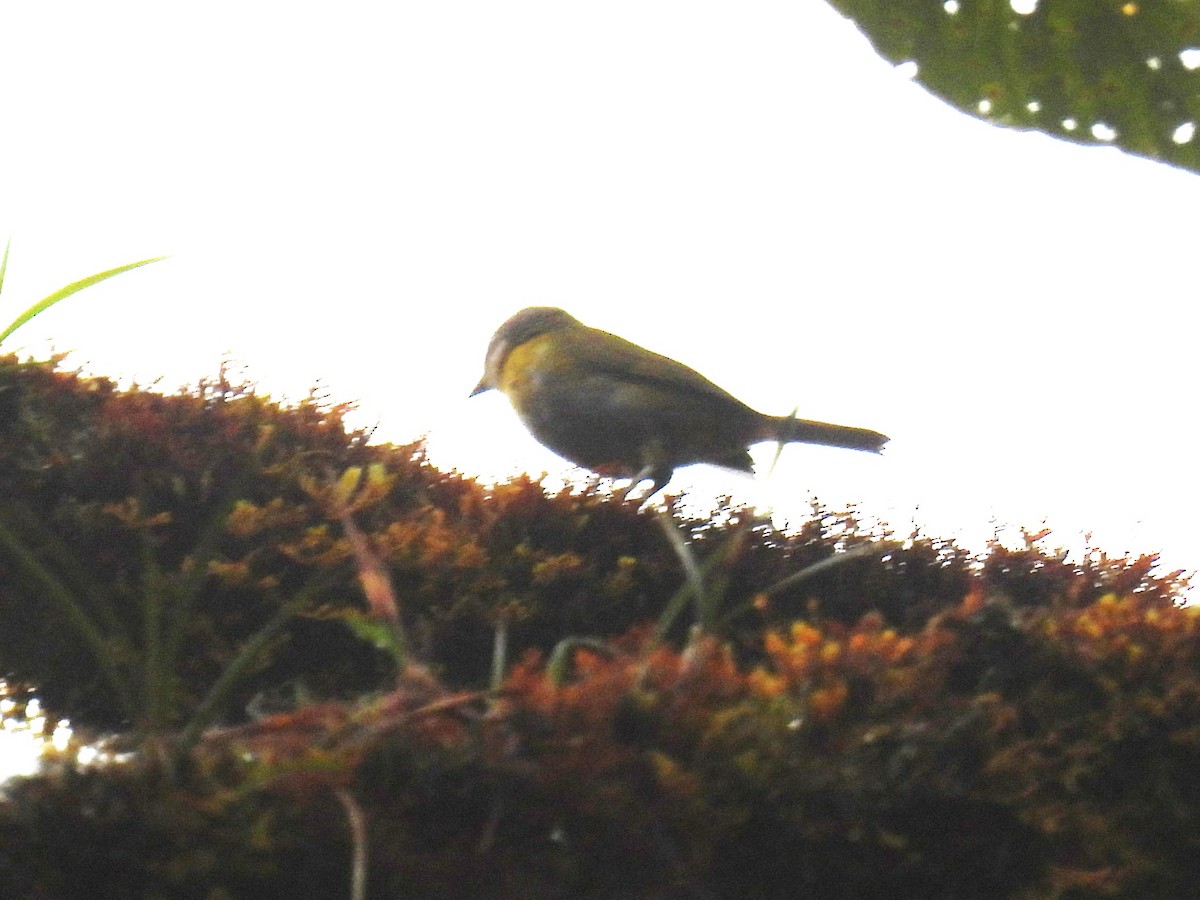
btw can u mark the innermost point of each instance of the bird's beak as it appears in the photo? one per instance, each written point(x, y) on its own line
point(484, 385)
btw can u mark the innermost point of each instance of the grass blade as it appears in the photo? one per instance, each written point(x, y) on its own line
point(4, 263)
point(62, 293)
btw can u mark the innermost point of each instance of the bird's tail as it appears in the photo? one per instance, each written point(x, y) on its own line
point(786, 429)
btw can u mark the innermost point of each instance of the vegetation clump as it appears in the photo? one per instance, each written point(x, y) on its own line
point(310, 684)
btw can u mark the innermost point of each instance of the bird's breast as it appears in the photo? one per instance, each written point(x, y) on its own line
point(527, 369)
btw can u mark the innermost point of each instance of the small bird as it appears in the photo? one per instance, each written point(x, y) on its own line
point(618, 409)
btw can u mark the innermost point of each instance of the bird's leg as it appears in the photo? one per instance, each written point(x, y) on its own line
point(655, 469)
point(646, 474)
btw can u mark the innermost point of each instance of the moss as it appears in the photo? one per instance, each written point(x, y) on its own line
point(915, 722)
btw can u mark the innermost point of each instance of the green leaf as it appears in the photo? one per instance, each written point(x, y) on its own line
point(62, 293)
point(1120, 73)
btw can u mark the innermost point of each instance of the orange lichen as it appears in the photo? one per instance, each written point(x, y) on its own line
point(826, 702)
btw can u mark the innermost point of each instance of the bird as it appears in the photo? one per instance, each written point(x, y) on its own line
point(620, 410)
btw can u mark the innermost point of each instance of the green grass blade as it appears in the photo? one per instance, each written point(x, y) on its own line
point(4, 263)
point(24, 561)
point(233, 674)
point(62, 293)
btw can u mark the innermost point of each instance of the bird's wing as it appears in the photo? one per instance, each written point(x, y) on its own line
point(608, 354)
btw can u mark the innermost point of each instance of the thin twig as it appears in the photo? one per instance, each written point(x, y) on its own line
point(358, 836)
point(691, 569)
point(499, 652)
point(877, 547)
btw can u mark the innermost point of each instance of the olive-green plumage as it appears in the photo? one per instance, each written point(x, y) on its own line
point(616, 408)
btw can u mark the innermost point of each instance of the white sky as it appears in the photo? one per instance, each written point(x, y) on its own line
point(358, 194)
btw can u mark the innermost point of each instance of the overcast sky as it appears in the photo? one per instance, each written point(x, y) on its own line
point(357, 195)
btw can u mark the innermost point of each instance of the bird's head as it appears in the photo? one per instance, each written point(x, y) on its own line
point(520, 327)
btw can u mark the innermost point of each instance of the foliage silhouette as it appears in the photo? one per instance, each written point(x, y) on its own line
point(1119, 73)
